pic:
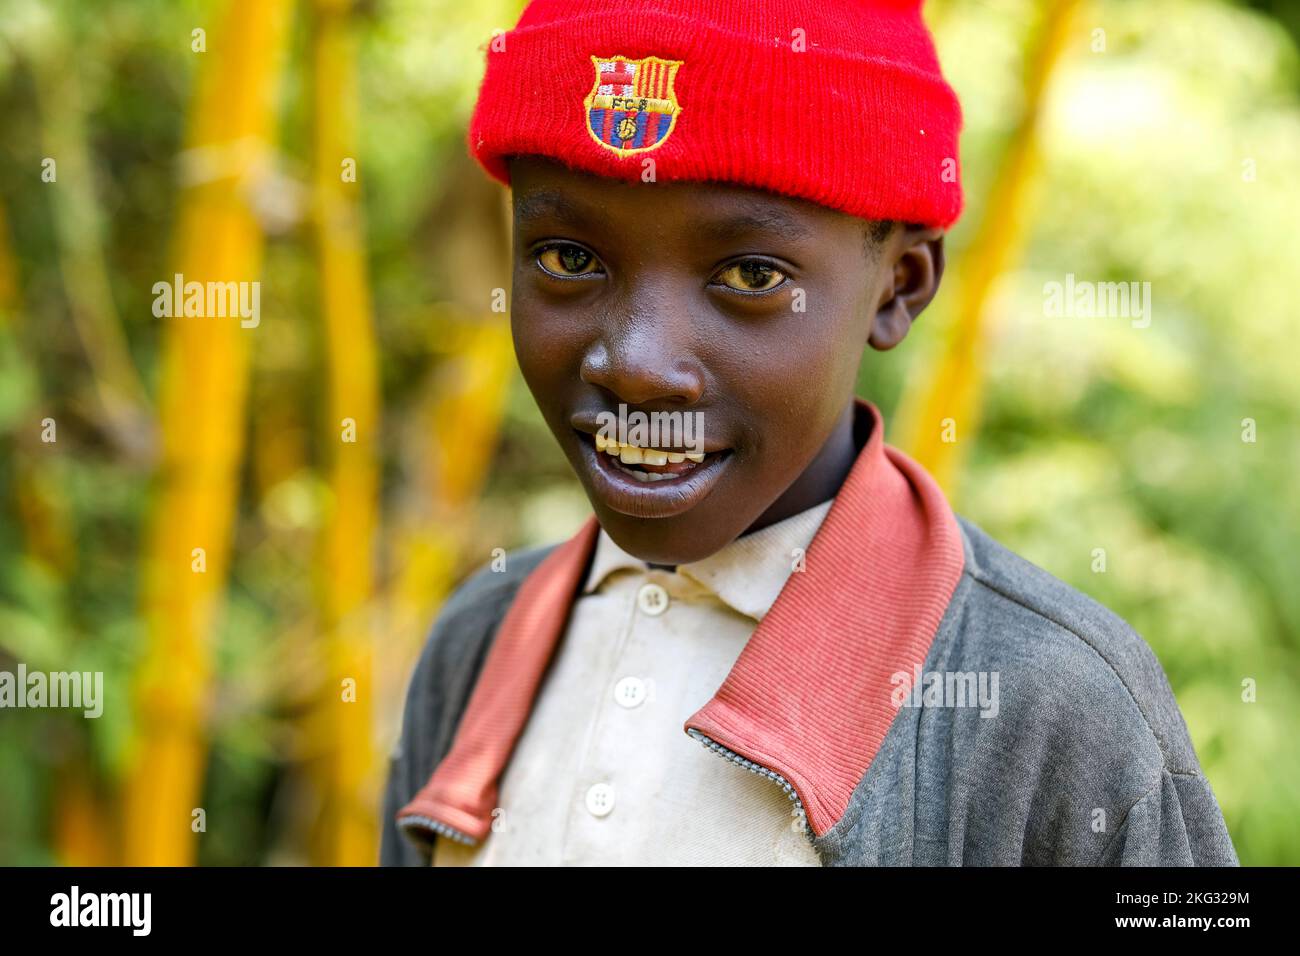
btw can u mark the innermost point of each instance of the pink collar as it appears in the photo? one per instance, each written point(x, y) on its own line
point(809, 696)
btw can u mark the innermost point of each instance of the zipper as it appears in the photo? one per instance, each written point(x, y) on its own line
point(442, 829)
point(759, 769)
point(452, 833)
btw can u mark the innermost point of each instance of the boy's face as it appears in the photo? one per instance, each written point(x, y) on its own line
point(749, 308)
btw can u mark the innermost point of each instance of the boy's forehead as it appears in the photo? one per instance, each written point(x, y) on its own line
point(546, 190)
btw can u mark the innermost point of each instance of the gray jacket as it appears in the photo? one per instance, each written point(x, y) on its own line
point(1089, 761)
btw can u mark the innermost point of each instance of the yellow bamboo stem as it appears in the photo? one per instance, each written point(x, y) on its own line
point(949, 386)
point(201, 406)
point(346, 830)
point(81, 837)
point(456, 429)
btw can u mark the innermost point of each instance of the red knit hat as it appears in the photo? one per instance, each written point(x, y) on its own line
point(841, 102)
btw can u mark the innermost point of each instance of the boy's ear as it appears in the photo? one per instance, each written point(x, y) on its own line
point(917, 254)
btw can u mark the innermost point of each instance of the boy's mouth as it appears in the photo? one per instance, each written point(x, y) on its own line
point(648, 464)
point(650, 482)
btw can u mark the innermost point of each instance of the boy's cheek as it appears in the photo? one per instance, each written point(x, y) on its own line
point(540, 355)
point(796, 389)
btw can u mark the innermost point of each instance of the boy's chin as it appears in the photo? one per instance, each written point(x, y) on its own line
point(669, 541)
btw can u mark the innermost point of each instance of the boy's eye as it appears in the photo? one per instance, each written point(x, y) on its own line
point(751, 275)
point(567, 260)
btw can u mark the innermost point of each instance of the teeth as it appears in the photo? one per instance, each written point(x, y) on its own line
point(635, 454)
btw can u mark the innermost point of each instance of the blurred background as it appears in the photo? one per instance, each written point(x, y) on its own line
point(186, 508)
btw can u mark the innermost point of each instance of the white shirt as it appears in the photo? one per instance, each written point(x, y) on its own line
point(604, 772)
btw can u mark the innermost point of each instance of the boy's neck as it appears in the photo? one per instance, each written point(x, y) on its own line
point(822, 479)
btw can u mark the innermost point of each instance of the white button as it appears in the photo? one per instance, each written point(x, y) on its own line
point(600, 799)
point(652, 599)
point(630, 691)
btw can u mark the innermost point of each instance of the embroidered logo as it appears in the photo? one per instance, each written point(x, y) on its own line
point(632, 107)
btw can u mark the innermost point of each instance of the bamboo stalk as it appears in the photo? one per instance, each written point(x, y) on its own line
point(448, 445)
point(81, 835)
point(346, 832)
point(201, 407)
point(949, 385)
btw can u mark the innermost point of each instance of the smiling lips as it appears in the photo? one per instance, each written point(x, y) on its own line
point(649, 482)
point(653, 464)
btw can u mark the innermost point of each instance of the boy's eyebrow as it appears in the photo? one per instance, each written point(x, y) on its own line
point(764, 220)
point(550, 203)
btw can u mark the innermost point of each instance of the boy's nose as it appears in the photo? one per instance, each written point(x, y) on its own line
point(640, 369)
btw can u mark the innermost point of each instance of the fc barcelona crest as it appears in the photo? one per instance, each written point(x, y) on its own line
point(632, 107)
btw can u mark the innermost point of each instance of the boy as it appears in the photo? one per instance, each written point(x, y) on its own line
point(716, 206)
